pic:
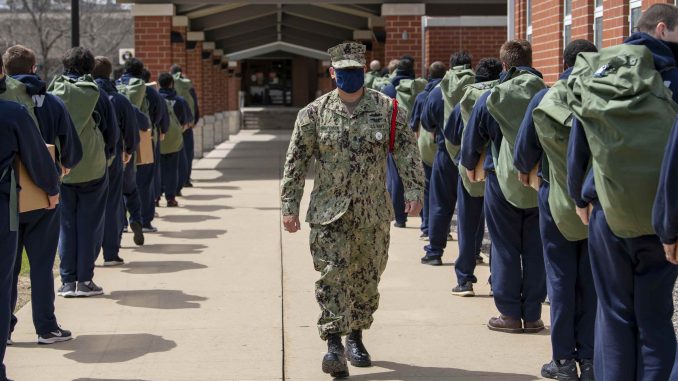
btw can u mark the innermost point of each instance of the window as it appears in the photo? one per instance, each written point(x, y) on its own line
point(528, 18)
point(567, 23)
point(598, 25)
point(635, 11)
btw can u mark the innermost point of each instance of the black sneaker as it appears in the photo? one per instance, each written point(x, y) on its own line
point(86, 289)
point(431, 261)
point(561, 370)
point(400, 225)
point(179, 194)
point(464, 290)
point(10, 342)
point(424, 237)
point(188, 185)
point(149, 229)
point(479, 259)
point(586, 370)
point(114, 262)
point(138, 231)
point(58, 336)
point(67, 290)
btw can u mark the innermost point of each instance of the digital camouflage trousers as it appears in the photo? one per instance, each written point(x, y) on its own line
point(350, 257)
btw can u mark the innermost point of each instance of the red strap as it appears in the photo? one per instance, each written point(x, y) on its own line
point(394, 117)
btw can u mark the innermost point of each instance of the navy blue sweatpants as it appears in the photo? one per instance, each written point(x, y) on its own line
point(83, 208)
point(425, 210)
point(146, 187)
point(634, 336)
point(570, 288)
point(471, 231)
point(170, 174)
point(114, 211)
point(186, 165)
point(131, 195)
point(395, 187)
point(157, 175)
point(442, 201)
point(8, 248)
point(39, 235)
point(517, 266)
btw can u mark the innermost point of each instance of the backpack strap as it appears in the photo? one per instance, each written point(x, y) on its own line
point(394, 118)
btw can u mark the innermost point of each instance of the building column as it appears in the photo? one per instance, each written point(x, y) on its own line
point(217, 83)
point(152, 31)
point(547, 38)
point(208, 96)
point(178, 38)
point(404, 32)
point(520, 19)
point(193, 70)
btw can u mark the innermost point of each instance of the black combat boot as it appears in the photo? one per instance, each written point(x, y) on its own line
point(334, 362)
point(355, 350)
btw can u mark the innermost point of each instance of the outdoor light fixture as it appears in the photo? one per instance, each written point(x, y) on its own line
point(406, 35)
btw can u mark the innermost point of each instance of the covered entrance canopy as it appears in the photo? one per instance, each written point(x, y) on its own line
point(245, 29)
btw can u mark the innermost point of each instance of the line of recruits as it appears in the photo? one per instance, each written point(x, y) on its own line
point(96, 179)
point(572, 185)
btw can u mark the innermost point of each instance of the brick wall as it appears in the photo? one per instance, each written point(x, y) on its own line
point(481, 42)
point(152, 42)
point(582, 19)
point(194, 71)
point(547, 41)
point(520, 19)
point(179, 48)
point(648, 3)
point(396, 46)
point(615, 21)
point(208, 93)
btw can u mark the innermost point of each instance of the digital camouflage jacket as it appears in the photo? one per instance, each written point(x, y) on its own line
point(350, 153)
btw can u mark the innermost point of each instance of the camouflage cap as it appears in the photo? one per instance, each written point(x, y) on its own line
point(347, 55)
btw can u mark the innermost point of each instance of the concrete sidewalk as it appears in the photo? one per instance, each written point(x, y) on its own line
point(218, 295)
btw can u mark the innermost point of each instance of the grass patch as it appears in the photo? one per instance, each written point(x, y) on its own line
point(25, 266)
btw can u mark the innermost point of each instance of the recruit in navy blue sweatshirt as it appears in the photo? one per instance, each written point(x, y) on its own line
point(181, 108)
point(125, 115)
point(157, 108)
point(419, 103)
point(54, 121)
point(390, 89)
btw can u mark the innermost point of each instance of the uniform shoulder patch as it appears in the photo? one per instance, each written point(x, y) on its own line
point(303, 118)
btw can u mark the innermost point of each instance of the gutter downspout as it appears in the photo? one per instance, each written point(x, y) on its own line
point(424, 64)
point(511, 16)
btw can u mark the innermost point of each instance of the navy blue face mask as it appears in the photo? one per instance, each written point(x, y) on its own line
point(350, 80)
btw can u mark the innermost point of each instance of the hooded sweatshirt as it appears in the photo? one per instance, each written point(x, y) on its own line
point(54, 121)
point(157, 109)
point(419, 103)
point(125, 115)
point(390, 89)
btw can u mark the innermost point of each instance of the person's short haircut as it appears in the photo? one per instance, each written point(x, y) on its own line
point(145, 75)
point(666, 13)
point(406, 64)
point(165, 80)
point(574, 48)
point(102, 67)
point(375, 65)
point(392, 65)
point(175, 68)
point(489, 68)
point(516, 53)
point(134, 67)
point(18, 59)
point(78, 60)
point(461, 58)
point(437, 70)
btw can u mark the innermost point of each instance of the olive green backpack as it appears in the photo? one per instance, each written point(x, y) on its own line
point(453, 87)
point(183, 88)
point(553, 123)
point(627, 113)
point(380, 82)
point(406, 93)
point(507, 103)
point(174, 139)
point(80, 97)
point(466, 104)
point(16, 91)
point(370, 77)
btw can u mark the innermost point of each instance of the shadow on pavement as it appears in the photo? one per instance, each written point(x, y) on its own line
point(160, 267)
point(156, 299)
point(217, 187)
point(206, 208)
point(113, 348)
point(194, 234)
point(406, 372)
point(103, 379)
point(174, 248)
point(187, 219)
point(206, 197)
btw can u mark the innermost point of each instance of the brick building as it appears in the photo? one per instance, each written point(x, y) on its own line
point(551, 24)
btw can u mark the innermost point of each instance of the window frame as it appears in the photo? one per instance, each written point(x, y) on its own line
point(528, 20)
point(598, 15)
point(567, 21)
point(633, 5)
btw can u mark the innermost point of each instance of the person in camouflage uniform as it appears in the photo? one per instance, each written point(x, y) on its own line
point(347, 132)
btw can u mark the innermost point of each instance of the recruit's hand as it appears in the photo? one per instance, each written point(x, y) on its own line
point(413, 208)
point(162, 137)
point(65, 171)
point(585, 214)
point(53, 201)
point(471, 173)
point(524, 178)
point(671, 254)
point(291, 223)
point(126, 157)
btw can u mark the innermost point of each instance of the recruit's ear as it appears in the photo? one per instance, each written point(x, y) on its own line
point(333, 73)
